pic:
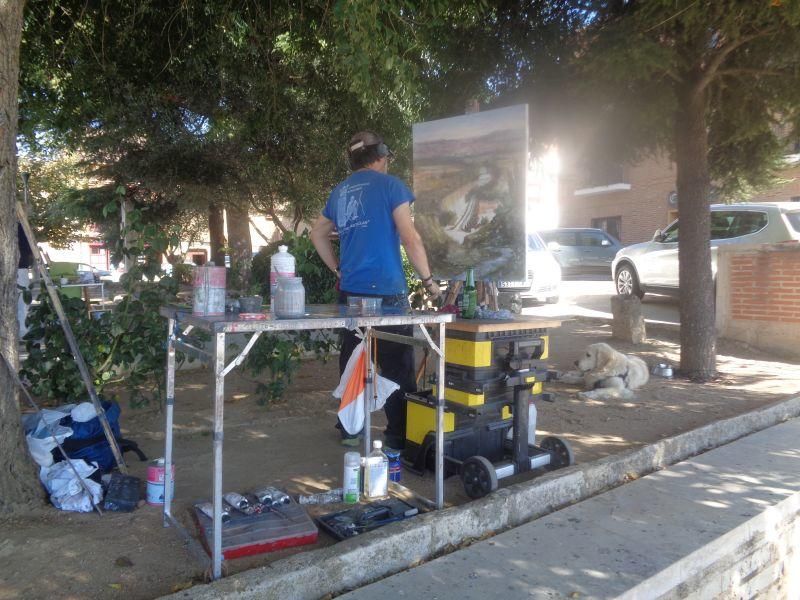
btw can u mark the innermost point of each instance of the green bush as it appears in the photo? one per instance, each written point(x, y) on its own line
point(183, 273)
point(124, 345)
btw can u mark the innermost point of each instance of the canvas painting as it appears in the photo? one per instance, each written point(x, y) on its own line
point(469, 183)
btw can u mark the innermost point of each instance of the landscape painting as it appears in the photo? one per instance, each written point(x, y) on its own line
point(469, 183)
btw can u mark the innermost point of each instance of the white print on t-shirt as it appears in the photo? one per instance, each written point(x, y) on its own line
point(350, 208)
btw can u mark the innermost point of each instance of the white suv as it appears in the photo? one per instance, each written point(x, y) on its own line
point(653, 266)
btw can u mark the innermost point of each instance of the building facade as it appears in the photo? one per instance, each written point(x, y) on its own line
point(632, 201)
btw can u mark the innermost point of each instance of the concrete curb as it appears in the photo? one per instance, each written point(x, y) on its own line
point(357, 562)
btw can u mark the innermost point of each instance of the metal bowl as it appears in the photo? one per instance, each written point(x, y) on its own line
point(663, 370)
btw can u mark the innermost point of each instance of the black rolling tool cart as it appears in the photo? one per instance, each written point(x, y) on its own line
point(494, 370)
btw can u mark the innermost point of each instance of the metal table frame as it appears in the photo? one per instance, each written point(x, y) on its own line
point(316, 317)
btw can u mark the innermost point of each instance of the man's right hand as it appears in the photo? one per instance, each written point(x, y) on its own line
point(433, 290)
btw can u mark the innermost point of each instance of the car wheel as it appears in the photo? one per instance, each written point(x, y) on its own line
point(627, 282)
point(551, 300)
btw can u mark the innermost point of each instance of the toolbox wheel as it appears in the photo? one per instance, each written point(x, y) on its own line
point(479, 476)
point(560, 452)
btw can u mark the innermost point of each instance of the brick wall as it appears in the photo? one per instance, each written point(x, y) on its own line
point(765, 286)
point(645, 206)
point(758, 296)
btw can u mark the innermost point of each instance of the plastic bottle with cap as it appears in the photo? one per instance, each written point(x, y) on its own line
point(281, 264)
point(376, 472)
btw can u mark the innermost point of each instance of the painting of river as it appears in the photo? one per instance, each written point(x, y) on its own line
point(469, 183)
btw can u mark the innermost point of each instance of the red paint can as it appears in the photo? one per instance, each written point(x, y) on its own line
point(155, 482)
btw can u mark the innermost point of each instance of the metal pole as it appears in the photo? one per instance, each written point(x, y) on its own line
point(368, 383)
point(440, 420)
point(70, 336)
point(219, 404)
point(170, 416)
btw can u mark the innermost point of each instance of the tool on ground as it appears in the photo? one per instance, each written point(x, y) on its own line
point(355, 521)
point(68, 333)
point(122, 494)
point(207, 508)
point(35, 406)
point(272, 496)
point(238, 502)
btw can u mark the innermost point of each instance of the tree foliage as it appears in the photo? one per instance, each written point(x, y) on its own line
point(717, 85)
point(745, 54)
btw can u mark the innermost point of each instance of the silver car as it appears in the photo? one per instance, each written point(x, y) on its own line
point(653, 266)
point(581, 249)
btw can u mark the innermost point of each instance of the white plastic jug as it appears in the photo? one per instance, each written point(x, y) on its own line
point(281, 264)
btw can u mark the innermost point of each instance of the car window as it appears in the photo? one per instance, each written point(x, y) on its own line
point(535, 242)
point(590, 238)
point(670, 234)
point(730, 224)
point(794, 220)
point(565, 238)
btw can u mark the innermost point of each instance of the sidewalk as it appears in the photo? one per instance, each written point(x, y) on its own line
point(684, 531)
point(591, 298)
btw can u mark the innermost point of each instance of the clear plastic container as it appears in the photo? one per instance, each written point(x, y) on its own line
point(290, 298)
point(363, 305)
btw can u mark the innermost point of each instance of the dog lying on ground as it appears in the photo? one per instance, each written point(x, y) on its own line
point(606, 373)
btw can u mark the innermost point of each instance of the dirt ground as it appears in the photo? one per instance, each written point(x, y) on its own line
point(294, 445)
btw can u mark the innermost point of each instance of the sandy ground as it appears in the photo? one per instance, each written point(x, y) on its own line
point(294, 445)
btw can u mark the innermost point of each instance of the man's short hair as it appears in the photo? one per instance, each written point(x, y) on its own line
point(364, 148)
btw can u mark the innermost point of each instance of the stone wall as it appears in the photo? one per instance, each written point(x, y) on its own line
point(758, 559)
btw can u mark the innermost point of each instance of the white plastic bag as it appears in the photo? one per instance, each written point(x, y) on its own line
point(66, 491)
point(84, 412)
point(351, 391)
point(40, 441)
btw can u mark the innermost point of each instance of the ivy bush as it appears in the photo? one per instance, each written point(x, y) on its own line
point(126, 344)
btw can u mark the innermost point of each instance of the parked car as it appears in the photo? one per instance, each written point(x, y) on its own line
point(582, 250)
point(653, 266)
point(543, 280)
point(78, 272)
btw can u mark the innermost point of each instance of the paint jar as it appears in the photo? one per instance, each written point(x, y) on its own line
point(351, 480)
point(290, 298)
point(155, 482)
point(209, 291)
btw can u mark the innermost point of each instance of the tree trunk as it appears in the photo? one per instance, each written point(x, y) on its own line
point(216, 231)
point(18, 481)
point(241, 246)
point(697, 302)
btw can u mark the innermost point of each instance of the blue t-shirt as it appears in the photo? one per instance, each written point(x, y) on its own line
point(361, 209)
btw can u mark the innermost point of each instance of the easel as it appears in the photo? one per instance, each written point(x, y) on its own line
point(68, 334)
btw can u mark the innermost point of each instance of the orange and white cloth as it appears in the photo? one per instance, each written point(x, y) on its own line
point(351, 391)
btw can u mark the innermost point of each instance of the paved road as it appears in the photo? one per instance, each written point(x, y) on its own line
point(590, 297)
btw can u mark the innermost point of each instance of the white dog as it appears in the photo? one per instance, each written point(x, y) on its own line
point(606, 373)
